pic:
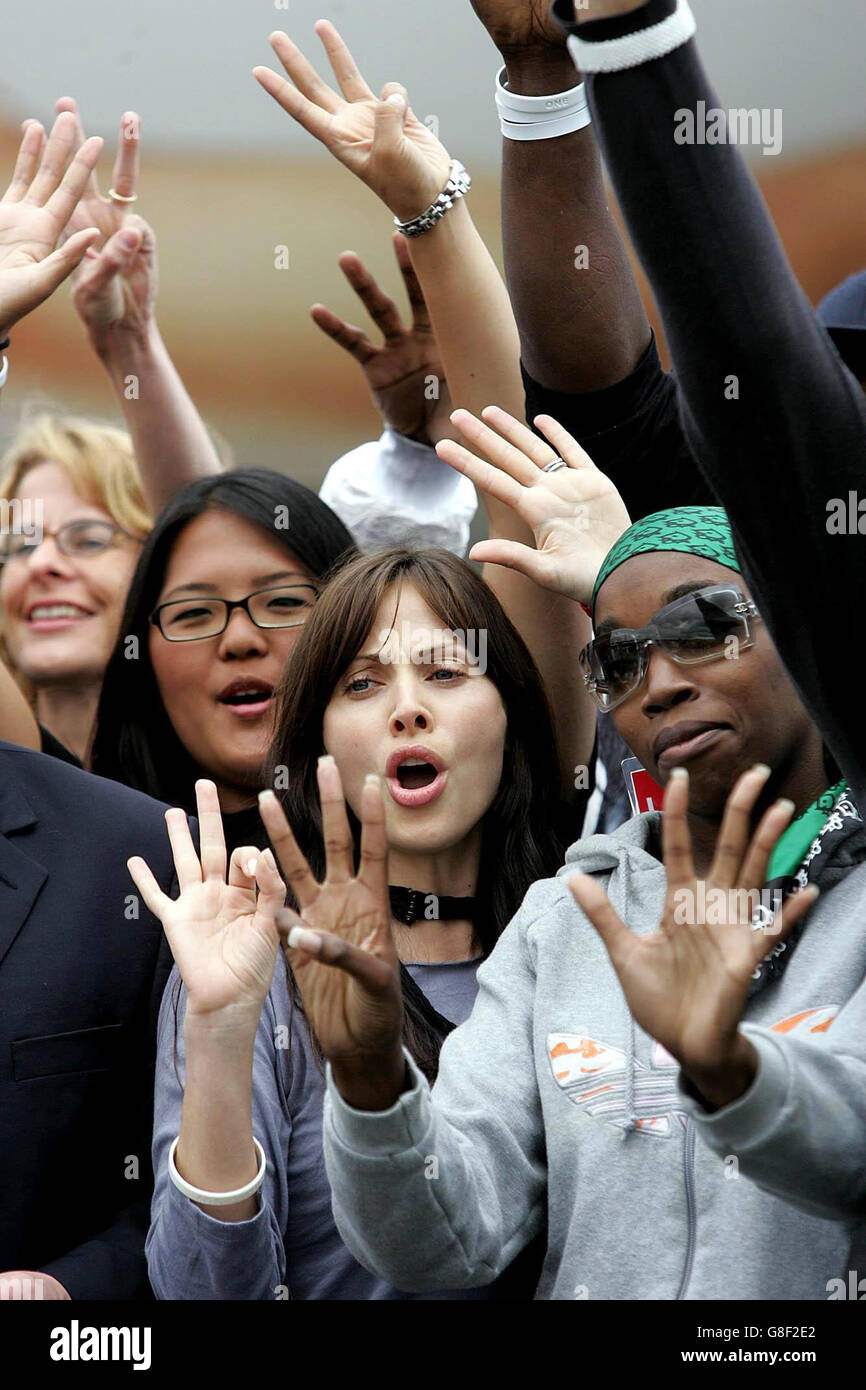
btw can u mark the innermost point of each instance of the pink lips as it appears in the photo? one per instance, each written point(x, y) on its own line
point(253, 708)
point(415, 796)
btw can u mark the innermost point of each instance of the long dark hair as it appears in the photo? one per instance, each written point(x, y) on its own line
point(134, 740)
point(519, 840)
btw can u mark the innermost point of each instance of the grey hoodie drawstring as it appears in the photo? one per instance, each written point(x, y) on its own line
point(630, 1112)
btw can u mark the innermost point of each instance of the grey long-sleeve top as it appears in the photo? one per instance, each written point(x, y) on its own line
point(291, 1247)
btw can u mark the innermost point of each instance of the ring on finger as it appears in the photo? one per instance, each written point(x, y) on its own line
point(115, 197)
point(554, 465)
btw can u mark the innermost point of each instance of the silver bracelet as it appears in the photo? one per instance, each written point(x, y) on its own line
point(459, 184)
point(217, 1199)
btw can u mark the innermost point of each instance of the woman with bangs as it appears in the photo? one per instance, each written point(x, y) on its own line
point(65, 574)
point(388, 682)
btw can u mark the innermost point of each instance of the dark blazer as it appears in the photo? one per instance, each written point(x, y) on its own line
point(82, 968)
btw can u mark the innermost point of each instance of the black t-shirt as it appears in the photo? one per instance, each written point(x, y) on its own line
point(632, 432)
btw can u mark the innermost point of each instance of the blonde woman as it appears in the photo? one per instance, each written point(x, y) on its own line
point(67, 565)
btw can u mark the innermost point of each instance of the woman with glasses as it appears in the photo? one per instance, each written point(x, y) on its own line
point(551, 1098)
point(224, 584)
point(409, 674)
point(73, 491)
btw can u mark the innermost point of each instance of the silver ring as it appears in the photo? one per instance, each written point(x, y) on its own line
point(554, 465)
point(120, 197)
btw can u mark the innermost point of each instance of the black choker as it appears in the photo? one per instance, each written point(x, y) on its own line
point(410, 905)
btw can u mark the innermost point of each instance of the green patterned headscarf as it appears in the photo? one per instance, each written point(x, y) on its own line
point(702, 531)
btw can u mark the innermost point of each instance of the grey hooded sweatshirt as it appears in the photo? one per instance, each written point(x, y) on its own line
point(552, 1104)
point(800, 1129)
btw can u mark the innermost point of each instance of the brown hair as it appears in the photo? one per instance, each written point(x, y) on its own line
point(519, 840)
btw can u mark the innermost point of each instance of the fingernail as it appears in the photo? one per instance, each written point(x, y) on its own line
point(395, 99)
point(372, 779)
point(326, 759)
point(763, 769)
point(303, 939)
point(679, 772)
point(251, 868)
point(784, 804)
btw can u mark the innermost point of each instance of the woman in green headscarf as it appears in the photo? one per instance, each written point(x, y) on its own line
point(684, 667)
point(679, 659)
point(557, 1100)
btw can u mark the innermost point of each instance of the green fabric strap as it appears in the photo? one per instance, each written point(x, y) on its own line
point(792, 848)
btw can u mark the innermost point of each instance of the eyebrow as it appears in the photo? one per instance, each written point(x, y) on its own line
point(689, 586)
point(261, 582)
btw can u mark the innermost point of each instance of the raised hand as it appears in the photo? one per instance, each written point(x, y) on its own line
point(397, 372)
point(687, 983)
point(114, 288)
point(575, 513)
point(341, 952)
point(34, 210)
point(222, 933)
point(378, 139)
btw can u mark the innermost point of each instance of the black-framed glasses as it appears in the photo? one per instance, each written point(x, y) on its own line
point(77, 539)
point(710, 623)
point(193, 619)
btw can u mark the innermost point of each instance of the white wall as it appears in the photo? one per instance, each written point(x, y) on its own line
point(185, 65)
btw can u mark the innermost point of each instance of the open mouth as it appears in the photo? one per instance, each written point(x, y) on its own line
point(56, 613)
point(414, 773)
point(247, 698)
point(415, 776)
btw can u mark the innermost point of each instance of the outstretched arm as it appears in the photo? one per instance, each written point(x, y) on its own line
point(776, 422)
point(114, 292)
point(582, 326)
point(385, 145)
point(588, 356)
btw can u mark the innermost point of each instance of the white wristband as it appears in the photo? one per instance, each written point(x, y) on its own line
point(540, 117)
point(217, 1199)
point(612, 55)
point(4, 372)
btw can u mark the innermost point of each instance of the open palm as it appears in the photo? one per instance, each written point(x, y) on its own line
point(574, 513)
point(115, 285)
point(347, 970)
point(385, 145)
point(222, 932)
point(397, 371)
point(34, 211)
point(687, 983)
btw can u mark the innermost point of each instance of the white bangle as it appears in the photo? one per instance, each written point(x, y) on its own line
point(612, 55)
point(4, 372)
point(217, 1199)
point(540, 117)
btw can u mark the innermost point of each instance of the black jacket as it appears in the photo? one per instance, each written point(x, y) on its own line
point(82, 967)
